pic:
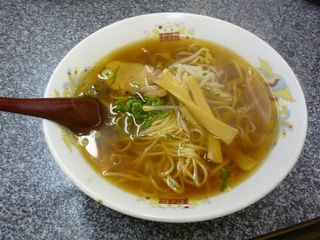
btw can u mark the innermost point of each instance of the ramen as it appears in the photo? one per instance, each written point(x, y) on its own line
point(185, 118)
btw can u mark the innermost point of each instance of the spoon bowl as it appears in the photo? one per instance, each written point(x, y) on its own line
point(80, 115)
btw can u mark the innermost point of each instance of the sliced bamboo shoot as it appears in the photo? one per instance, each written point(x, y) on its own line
point(244, 161)
point(214, 146)
point(218, 128)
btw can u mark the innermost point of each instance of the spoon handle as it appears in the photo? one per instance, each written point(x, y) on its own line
point(79, 114)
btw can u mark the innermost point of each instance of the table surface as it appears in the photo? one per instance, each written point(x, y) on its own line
point(37, 201)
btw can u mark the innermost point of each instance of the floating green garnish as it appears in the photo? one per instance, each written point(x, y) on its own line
point(133, 109)
point(224, 175)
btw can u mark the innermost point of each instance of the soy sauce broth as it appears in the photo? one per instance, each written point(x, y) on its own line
point(98, 148)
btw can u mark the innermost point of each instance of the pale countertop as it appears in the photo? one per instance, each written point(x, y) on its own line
point(37, 201)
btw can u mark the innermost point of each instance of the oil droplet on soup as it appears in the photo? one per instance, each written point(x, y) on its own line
point(186, 119)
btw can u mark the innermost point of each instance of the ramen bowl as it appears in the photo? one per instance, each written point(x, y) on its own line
point(172, 27)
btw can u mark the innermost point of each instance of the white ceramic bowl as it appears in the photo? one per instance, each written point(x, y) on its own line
point(291, 104)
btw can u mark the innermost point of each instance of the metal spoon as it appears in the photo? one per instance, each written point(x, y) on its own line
point(80, 115)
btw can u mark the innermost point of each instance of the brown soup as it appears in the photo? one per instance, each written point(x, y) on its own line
point(166, 102)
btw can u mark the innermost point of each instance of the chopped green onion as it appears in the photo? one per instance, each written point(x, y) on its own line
point(107, 73)
point(224, 175)
point(135, 107)
point(208, 57)
point(109, 76)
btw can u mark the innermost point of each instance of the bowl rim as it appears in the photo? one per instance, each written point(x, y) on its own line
point(127, 211)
